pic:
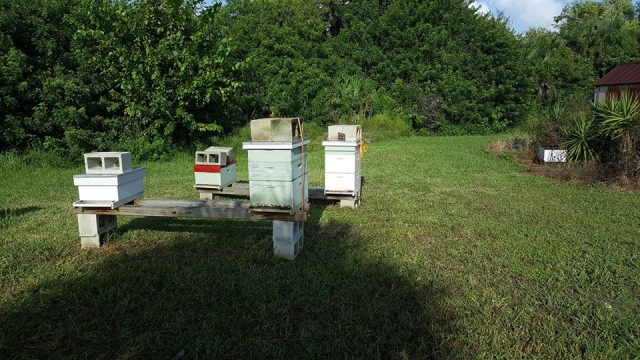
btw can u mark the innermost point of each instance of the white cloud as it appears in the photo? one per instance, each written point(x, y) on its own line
point(481, 8)
point(532, 13)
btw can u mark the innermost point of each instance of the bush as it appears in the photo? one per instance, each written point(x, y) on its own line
point(385, 126)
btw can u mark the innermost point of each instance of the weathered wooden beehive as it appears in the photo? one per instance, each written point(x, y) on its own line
point(215, 167)
point(277, 166)
point(110, 180)
point(342, 160)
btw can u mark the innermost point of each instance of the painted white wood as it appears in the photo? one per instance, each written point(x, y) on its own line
point(268, 193)
point(225, 177)
point(106, 203)
point(348, 144)
point(341, 183)
point(110, 188)
point(336, 163)
point(552, 155)
point(277, 171)
point(108, 179)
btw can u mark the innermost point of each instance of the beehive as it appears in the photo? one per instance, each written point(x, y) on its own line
point(110, 180)
point(277, 171)
point(343, 160)
point(215, 167)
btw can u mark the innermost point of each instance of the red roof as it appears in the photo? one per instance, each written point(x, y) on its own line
point(622, 75)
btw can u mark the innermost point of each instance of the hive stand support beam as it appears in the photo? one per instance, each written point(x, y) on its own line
point(288, 239)
point(96, 229)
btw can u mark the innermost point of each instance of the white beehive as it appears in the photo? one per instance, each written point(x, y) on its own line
point(215, 167)
point(342, 167)
point(109, 190)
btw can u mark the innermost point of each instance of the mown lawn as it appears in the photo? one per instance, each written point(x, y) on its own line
point(453, 254)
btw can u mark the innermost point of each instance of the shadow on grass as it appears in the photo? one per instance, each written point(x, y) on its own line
point(229, 298)
point(7, 214)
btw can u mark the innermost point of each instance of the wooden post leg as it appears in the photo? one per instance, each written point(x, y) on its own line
point(94, 230)
point(288, 239)
point(206, 196)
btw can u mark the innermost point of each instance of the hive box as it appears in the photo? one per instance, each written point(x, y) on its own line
point(266, 195)
point(345, 133)
point(275, 130)
point(215, 176)
point(277, 175)
point(220, 156)
point(106, 190)
point(342, 167)
point(107, 162)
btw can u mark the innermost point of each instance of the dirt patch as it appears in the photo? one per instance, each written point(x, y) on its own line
point(584, 174)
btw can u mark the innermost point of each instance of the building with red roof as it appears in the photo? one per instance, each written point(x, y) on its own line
point(625, 77)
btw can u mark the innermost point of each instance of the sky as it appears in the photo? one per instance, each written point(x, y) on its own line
point(524, 14)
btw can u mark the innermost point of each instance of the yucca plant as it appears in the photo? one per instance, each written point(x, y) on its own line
point(619, 119)
point(581, 138)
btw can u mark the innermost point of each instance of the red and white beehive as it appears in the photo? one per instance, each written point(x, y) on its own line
point(215, 167)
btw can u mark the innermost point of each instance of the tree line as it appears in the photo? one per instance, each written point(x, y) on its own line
point(149, 76)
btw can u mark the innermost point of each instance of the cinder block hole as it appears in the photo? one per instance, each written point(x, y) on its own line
point(112, 163)
point(94, 163)
point(214, 158)
point(201, 157)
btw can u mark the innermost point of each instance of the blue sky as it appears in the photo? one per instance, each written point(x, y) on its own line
point(524, 14)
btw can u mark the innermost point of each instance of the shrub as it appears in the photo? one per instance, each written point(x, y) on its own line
point(385, 126)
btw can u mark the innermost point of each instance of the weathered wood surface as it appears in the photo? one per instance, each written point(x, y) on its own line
point(193, 209)
point(242, 190)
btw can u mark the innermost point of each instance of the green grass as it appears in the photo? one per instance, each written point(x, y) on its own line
point(453, 254)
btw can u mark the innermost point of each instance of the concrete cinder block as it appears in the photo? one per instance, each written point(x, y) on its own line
point(345, 133)
point(275, 129)
point(215, 156)
point(288, 239)
point(108, 163)
point(94, 230)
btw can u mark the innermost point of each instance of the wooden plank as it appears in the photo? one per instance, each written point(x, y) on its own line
point(193, 203)
point(192, 209)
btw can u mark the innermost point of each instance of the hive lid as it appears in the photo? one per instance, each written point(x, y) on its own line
point(341, 143)
point(273, 145)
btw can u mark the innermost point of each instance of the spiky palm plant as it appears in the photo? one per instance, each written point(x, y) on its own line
point(580, 139)
point(619, 119)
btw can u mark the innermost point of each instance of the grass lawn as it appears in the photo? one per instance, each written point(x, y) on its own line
point(453, 254)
